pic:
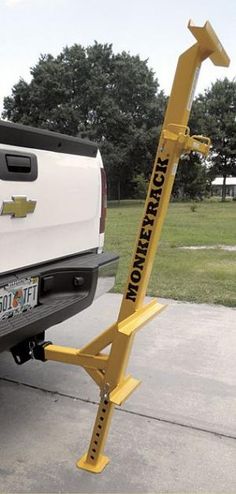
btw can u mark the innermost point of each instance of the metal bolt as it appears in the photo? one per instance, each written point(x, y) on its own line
point(105, 392)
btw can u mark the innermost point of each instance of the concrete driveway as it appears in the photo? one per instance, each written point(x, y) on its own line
point(177, 433)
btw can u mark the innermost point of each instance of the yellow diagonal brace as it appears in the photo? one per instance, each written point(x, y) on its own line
point(101, 341)
point(96, 375)
point(95, 346)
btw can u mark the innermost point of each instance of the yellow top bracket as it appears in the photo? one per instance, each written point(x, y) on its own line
point(209, 43)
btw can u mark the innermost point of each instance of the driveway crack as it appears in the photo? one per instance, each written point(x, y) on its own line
point(122, 410)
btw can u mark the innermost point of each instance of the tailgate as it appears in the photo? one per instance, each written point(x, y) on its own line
point(67, 212)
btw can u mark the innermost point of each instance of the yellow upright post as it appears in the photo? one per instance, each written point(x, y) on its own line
point(174, 141)
point(108, 370)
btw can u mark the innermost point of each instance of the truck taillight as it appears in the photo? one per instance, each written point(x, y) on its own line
point(103, 201)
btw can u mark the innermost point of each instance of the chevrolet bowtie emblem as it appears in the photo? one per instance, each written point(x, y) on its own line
point(19, 207)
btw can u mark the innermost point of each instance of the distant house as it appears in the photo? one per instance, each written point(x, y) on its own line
point(217, 185)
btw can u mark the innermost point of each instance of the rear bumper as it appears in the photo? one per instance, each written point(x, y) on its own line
point(66, 287)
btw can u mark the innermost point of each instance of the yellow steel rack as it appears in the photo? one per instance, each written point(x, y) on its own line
point(108, 370)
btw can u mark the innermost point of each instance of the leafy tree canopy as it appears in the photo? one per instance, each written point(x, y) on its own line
point(191, 178)
point(215, 114)
point(94, 93)
point(115, 100)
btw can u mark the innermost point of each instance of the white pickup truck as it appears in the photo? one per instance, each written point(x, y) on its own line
point(52, 221)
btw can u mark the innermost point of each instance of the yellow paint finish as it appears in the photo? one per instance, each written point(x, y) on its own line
point(209, 43)
point(174, 141)
point(73, 356)
point(134, 322)
point(124, 389)
point(108, 371)
point(98, 467)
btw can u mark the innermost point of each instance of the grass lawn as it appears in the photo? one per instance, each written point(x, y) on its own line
point(192, 275)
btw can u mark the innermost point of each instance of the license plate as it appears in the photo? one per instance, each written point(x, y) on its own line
point(19, 296)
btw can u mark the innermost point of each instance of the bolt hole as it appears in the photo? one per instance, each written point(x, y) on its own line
point(92, 457)
point(95, 442)
point(105, 402)
point(97, 434)
point(94, 450)
point(101, 418)
point(104, 410)
point(99, 426)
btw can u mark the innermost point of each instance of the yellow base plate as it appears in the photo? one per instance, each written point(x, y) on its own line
point(96, 468)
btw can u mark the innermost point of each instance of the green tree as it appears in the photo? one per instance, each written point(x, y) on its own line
point(191, 181)
point(215, 112)
point(141, 186)
point(92, 92)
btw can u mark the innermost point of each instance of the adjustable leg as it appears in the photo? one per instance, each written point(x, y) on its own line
point(116, 387)
point(94, 460)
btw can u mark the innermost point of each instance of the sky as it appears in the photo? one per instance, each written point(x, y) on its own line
point(154, 30)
